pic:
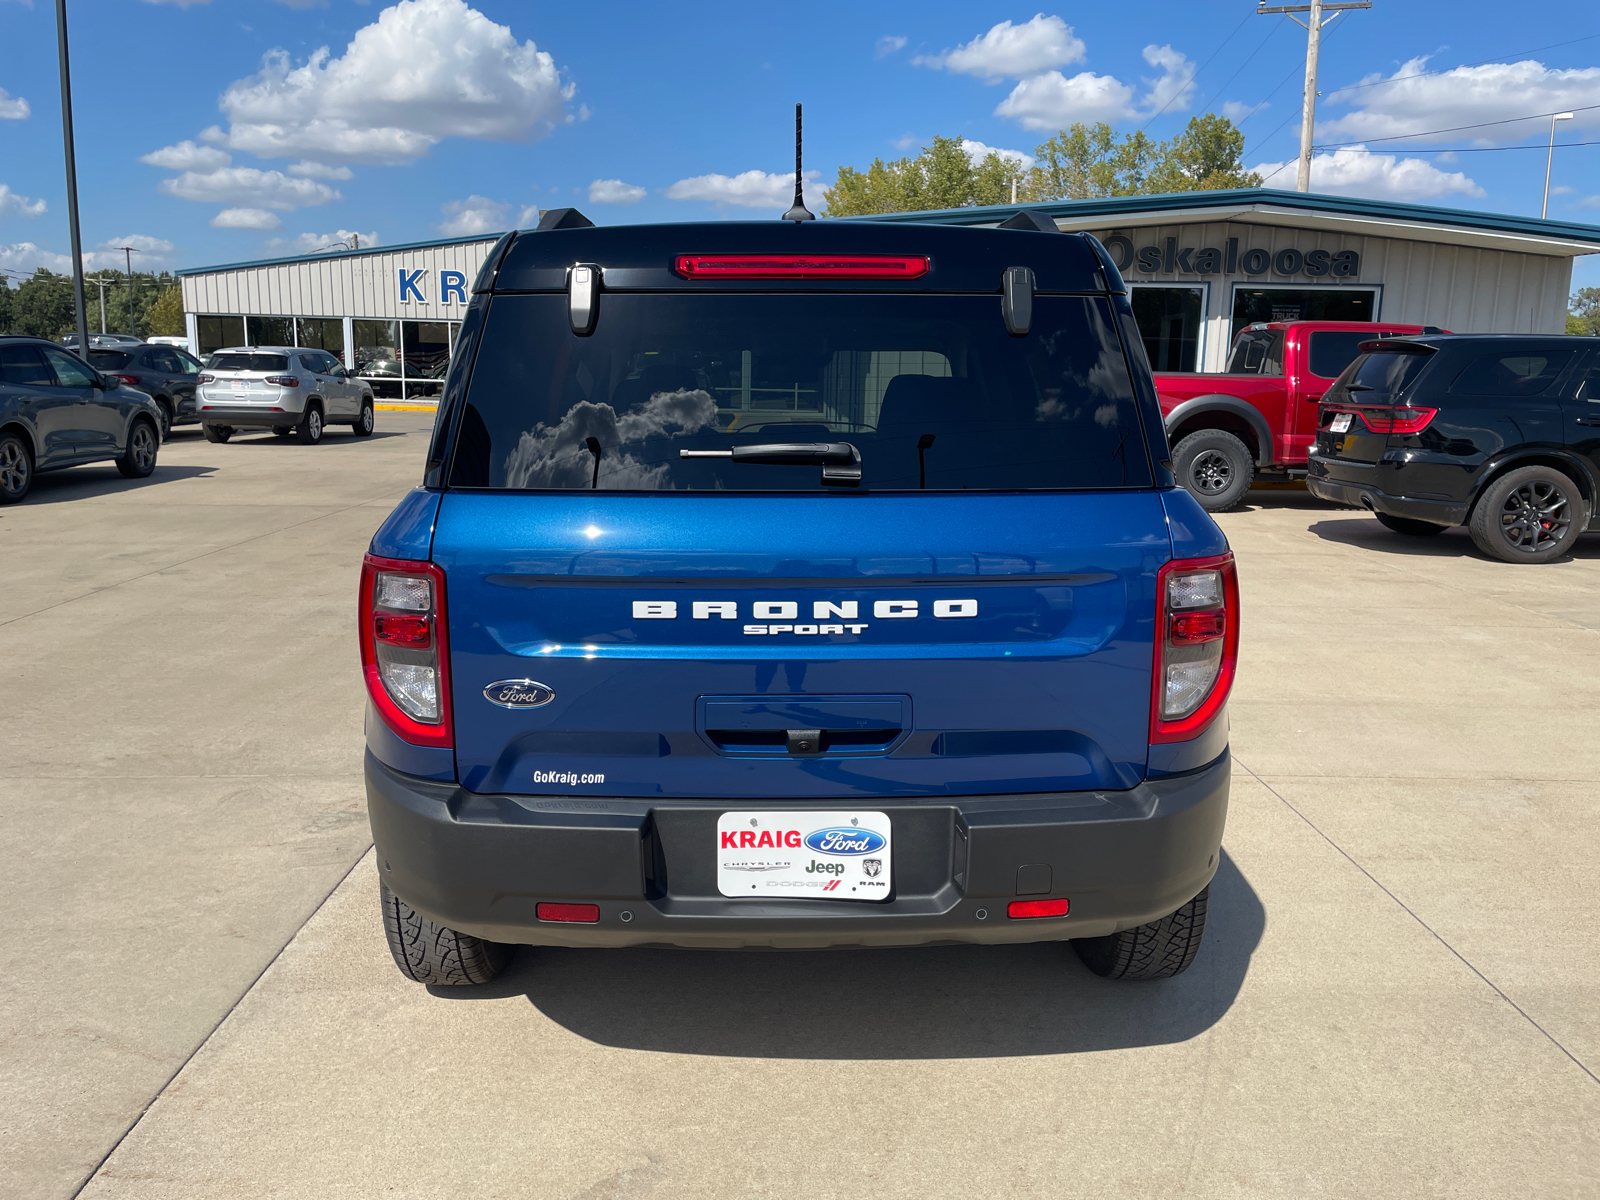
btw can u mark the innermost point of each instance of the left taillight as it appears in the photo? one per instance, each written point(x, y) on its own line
point(405, 653)
point(1197, 645)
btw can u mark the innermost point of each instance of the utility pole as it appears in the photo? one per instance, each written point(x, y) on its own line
point(1313, 25)
point(128, 252)
point(72, 177)
point(101, 282)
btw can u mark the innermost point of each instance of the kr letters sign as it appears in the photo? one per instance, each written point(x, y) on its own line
point(1169, 259)
point(452, 287)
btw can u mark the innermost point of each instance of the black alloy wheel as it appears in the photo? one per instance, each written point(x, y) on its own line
point(139, 459)
point(16, 469)
point(366, 422)
point(1214, 467)
point(1529, 515)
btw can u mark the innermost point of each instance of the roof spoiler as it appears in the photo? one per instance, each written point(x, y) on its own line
point(1031, 219)
point(563, 218)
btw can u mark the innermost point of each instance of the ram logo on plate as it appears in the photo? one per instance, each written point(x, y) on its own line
point(519, 693)
point(845, 841)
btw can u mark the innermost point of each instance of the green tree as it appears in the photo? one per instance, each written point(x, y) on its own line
point(43, 306)
point(7, 303)
point(166, 314)
point(942, 175)
point(1205, 157)
point(1583, 312)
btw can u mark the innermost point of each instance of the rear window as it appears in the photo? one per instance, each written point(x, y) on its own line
point(109, 360)
point(930, 389)
point(1382, 375)
point(248, 362)
point(1257, 352)
point(1519, 373)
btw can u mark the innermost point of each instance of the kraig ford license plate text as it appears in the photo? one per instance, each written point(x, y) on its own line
point(820, 855)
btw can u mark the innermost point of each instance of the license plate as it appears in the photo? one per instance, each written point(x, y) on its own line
point(1341, 422)
point(817, 855)
point(239, 386)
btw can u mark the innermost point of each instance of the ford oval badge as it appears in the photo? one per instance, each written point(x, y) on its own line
point(519, 693)
point(844, 841)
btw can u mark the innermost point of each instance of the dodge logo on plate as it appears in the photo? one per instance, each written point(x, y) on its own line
point(519, 693)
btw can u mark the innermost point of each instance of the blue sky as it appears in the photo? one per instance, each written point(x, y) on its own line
point(235, 129)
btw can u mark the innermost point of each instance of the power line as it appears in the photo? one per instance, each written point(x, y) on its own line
point(1357, 149)
point(1195, 74)
point(1445, 71)
point(1400, 137)
point(1249, 60)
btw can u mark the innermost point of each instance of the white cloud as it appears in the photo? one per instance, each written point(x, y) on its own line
point(905, 141)
point(977, 152)
point(1173, 88)
point(27, 257)
point(425, 70)
point(1352, 172)
point(614, 191)
point(324, 243)
point(250, 187)
point(752, 189)
point(316, 170)
point(11, 202)
point(1012, 51)
point(528, 217)
point(1236, 111)
point(246, 218)
point(187, 156)
point(13, 108)
point(1052, 101)
point(475, 214)
point(1409, 103)
point(889, 45)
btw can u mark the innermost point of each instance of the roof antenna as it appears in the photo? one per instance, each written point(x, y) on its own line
point(799, 212)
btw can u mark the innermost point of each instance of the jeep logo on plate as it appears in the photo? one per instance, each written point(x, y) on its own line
point(519, 693)
point(845, 841)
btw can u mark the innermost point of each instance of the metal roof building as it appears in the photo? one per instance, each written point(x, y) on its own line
point(1201, 264)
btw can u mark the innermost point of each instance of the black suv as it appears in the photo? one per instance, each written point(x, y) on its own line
point(1500, 433)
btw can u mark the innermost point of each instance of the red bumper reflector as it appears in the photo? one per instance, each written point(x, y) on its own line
point(1019, 909)
point(1191, 627)
point(586, 914)
point(801, 266)
point(401, 631)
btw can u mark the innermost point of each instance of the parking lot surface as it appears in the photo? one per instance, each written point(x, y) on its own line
point(1395, 996)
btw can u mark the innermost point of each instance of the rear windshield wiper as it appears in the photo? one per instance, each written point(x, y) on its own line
point(840, 461)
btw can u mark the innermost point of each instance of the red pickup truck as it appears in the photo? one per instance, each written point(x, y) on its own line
point(1260, 416)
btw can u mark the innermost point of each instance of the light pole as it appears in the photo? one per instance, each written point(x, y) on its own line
point(1544, 209)
point(72, 177)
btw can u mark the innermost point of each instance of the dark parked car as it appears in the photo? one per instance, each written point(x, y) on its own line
point(56, 412)
point(164, 372)
point(1498, 433)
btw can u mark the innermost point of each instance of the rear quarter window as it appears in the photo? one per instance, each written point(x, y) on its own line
point(1517, 373)
point(1382, 376)
point(930, 389)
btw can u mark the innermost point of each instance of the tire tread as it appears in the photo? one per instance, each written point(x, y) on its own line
point(1157, 950)
point(432, 954)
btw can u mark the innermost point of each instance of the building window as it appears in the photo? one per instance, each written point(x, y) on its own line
point(270, 331)
point(377, 357)
point(1170, 320)
point(1252, 304)
point(424, 357)
point(217, 333)
point(320, 333)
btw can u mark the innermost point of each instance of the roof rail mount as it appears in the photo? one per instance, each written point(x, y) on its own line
point(563, 218)
point(1029, 218)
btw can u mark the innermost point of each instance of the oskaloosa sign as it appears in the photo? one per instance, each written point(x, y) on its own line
point(1169, 259)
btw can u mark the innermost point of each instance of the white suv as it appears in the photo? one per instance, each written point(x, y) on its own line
point(286, 389)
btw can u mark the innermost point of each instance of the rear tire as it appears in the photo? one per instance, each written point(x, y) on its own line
point(138, 460)
point(16, 468)
point(1158, 950)
point(366, 422)
point(1215, 468)
point(217, 433)
point(430, 953)
point(166, 419)
point(309, 431)
point(1408, 526)
point(1530, 515)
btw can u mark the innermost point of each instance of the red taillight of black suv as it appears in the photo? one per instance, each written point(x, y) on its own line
point(405, 655)
point(1197, 645)
point(1384, 419)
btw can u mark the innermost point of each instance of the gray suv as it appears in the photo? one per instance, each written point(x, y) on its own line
point(286, 389)
point(57, 411)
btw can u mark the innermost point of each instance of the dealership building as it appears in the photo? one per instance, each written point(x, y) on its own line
point(1202, 265)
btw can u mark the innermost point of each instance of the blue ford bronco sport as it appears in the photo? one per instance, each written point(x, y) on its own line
point(797, 584)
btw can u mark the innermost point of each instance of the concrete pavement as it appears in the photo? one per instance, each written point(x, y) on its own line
point(1395, 997)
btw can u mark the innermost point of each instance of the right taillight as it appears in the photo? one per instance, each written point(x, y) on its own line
point(1197, 645)
point(404, 652)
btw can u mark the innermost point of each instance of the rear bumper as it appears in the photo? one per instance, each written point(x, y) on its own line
point(481, 864)
point(250, 414)
point(1358, 493)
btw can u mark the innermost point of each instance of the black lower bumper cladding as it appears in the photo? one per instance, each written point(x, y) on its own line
point(482, 864)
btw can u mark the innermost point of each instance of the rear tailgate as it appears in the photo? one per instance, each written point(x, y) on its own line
point(966, 643)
